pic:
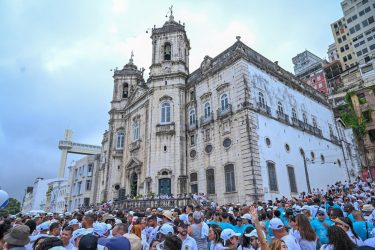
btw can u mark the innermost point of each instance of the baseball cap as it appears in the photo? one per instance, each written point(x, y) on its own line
point(79, 232)
point(228, 233)
point(254, 234)
point(100, 229)
point(276, 224)
point(44, 226)
point(166, 229)
point(73, 222)
point(247, 216)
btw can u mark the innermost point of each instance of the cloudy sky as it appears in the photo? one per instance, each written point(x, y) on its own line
point(56, 56)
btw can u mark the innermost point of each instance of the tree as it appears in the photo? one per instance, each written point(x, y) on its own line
point(13, 207)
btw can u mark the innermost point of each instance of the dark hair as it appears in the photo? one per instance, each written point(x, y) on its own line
point(4, 228)
point(277, 213)
point(68, 228)
point(245, 242)
point(37, 240)
point(88, 242)
point(224, 215)
point(304, 228)
point(50, 242)
point(339, 239)
point(350, 223)
point(172, 242)
point(53, 226)
point(90, 217)
point(31, 224)
point(217, 231)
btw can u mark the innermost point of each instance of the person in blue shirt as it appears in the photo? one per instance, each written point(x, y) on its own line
point(333, 213)
point(361, 227)
point(224, 224)
point(348, 209)
point(320, 226)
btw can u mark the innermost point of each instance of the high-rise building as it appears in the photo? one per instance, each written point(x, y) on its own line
point(360, 20)
point(343, 43)
point(309, 68)
point(332, 53)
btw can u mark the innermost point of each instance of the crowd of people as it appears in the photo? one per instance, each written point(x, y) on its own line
point(341, 218)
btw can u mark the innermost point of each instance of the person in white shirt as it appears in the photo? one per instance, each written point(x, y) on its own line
point(187, 241)
point(278, 229)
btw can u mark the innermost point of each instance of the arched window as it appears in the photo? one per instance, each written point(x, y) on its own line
point(135, 131)
point(207, 110)
point(192, 117)
point(120, 138)
point(224, 102)
point(272, 179)
point(230, 184)
point(210, 177)
point(165, 112)
point(294, 113)
point(167, 51)
point(304, 118)
point(262, 102)
point(194, 182)
point(125, 90)
point(280, 108)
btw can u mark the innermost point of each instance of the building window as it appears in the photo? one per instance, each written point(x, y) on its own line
point(315, 124)
point(192, 117)
point(262, 102)
point(330, 129)
point(125, 90)
point(90, 168)
point(192, 96)
point(224, 102)
point(294, 114)
point(287, 147)
point(304, 117)
point(268, 142)
point(207, 110)
point(193, 153)
point(227, 142)
point(322, 158)
point(165, 112)
point(88, 185)
point(280, 108)
point(208, 149)
point(210, 177)
point(135, 131)
point(292, 180)
point(192, 140)
point(312, 155)
point(120, 138)
point(230, 185)
point(339, 163)
point(167, 51)
point(272, 177)
point(194, 182)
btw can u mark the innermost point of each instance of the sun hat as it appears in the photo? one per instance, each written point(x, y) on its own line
point(18, 236)
point(367, 208)
point(166, 229)
point(168, 215)
point(276, 224)
point(228, 233)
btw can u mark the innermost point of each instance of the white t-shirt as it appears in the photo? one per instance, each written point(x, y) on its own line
point(291, 242)
point(369, 242)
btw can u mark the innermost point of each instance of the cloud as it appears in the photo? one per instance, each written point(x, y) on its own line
point(119, 6)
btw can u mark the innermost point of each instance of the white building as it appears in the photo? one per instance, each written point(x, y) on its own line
point(239, 128)
point(36, 199)
point(81, 187)
point(57, 196)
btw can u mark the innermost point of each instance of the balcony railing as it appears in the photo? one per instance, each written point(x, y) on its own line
point(206, 120)
point(221, 113)
point(135, 145)
point(143, 204)
point(318, 132)
point(165, 129)
point(263, 108)
point(282, 117)
point(334, 139)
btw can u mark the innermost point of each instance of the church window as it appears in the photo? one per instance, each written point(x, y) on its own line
point(272, 179)
point(207, 110)
point(280, 108)
point(135, 131)
point(192, 96)
point(262, 102)
point(165, 112)
point(304, 117)
point(224, 102)
point(292, 179)
point(210, 177)
point(192, 117)
point(125, 90)
point(294, 114)
point(167, 51)
point(194, 182)
point(120, 140)
point(230, 184)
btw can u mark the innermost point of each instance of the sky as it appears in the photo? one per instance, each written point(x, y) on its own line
point(56, 59)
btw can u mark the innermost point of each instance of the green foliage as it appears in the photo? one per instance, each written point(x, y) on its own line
point(350, 118)
point(13, 207)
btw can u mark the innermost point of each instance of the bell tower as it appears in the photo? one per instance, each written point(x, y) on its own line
point(170, 52)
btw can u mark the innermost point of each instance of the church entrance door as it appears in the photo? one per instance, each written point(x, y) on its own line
point(165, 186)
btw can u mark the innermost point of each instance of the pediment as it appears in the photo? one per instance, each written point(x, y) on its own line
point(136, 94)
point(133, 162)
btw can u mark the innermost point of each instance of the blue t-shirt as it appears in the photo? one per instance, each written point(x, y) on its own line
point(225, 225)
point(360, 229)
point(320, 230)
point(351, 217)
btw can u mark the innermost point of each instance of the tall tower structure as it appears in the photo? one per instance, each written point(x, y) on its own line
point(167, 173)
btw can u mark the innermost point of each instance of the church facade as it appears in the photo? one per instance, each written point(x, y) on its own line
point(239, 128)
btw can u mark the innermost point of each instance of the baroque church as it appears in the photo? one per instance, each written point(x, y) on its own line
point(239, 128)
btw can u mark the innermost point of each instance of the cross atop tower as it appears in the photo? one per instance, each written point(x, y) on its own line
point(131, 57)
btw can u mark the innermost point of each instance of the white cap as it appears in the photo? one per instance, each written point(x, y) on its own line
point(73, 222)
point(247, 216)
point(228, 233)
point(276, 224)
point(166, 229)
point(79, 232)
point(254, 234)
point(44, 226)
